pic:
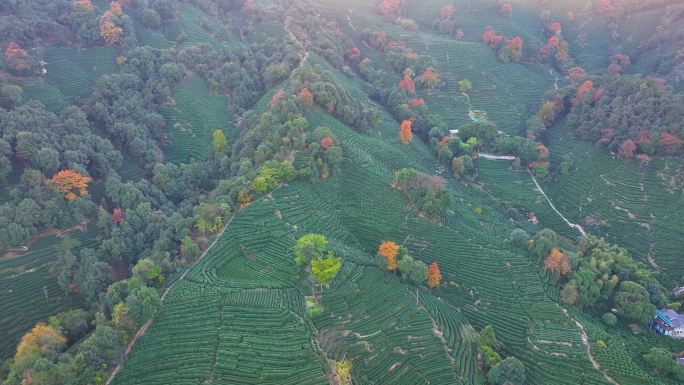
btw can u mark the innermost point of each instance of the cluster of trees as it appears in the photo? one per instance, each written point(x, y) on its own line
point(398, 55)
point(243, 74)
point(659, 50)
point(632, 116)
point(314, 24)
point(556, 50)
point(36, 201)
point(261, 158)
point(393, 257)
point(29, 27)
point(153, 13)
point(392, 10)
point(429, 194)
point(606, 275)
point(509, 371)
point(47, 142)
point(332, 97)
point(458, 150)
point(77, 346)
point(317, 25)
point(662, 362)
point(509, 49)
point(167, 215)
point(310, 255)
point(599, 275)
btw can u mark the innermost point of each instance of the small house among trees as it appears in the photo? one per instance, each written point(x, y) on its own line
point(668, 323)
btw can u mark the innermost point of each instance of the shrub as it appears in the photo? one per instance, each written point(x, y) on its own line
point(609, 319)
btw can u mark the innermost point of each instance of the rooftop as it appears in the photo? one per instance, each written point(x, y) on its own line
point(675, 319)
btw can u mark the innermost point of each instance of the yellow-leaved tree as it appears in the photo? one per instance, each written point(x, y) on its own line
point(37, 343)
point(220, 141)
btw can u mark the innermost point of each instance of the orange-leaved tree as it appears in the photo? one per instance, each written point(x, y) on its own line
point(582, 90)
point(109, 31)
point(558, 262)
point(405, 134)
point(306, 97)
point(434, 276)
point(389, 250)
point(491, 38)
point(542, 151)
point(278, 96)
point(70, 183)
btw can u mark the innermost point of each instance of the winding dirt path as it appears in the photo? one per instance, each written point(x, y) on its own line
point(573, 225)
point(587, 346)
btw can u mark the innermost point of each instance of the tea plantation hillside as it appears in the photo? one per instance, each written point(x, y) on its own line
point(191, 119)
point(29, 292)
point(69, 75)
point(356, 211)
point(631, 204)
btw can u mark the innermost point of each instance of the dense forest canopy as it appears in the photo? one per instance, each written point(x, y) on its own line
point(391, 191)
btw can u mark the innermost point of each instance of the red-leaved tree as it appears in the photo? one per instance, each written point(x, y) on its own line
point(407, 84)
point(506, 9)
point(582, 90)
point(670, 143)
point(390, 8)
point(446, 12)
point(491, 38)
point(416, 102)
point(327, 142)
point(576, 74)
point(627, 149)
point(117, 215)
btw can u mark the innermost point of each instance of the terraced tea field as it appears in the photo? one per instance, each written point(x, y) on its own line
point(508, 93)
point(622, 355)
point(190, 25)
point(515, 188)
point(28, 293)
point(634, 206)
point(70, 74)
point(192, 119)
point(371, 317)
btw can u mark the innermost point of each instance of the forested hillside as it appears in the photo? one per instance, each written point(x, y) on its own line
point(357, 192)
